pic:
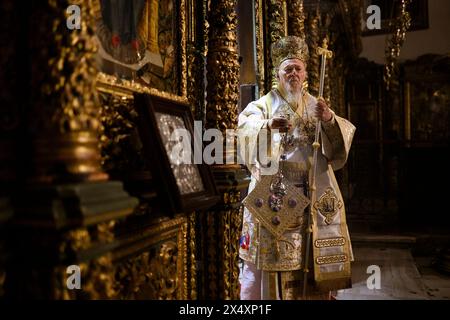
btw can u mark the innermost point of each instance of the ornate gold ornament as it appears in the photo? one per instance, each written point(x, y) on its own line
point(192, 255)
point(161, 271)
point(76, 240)
point(296, 19)
point(64, 100)
point(290, 47)
point(338, 258)
point(276, 21)
point(223, 233)
point(312, 39)
point(114, 85)
point(276, 216)
point(259, 30)
point(330, 242)
point(197, 47)
point(211, 277)
point(328, 205)
point(97, 280)
point(150, 276)
point(222, 67)
point(236, 216)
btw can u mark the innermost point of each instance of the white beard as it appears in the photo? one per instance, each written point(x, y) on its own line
point(293, 96)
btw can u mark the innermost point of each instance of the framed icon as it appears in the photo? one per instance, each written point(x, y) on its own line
point(182, 183)
point(143, 42)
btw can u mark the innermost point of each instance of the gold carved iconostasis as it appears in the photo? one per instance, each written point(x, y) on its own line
point(93, 182)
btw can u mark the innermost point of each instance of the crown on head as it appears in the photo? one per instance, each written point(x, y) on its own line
point(290, 47)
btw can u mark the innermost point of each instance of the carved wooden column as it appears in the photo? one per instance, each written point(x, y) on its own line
point(276, 29)
point(296, 18)
point(260, 45)
point(220, 229)
point(66, 208)
point(197, 39)
point(222, 66)
point(312, 39)
point(197, 47)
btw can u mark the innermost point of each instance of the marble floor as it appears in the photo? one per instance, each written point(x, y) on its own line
point(402, 275)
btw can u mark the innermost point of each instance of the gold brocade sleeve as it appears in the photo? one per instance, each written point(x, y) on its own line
point(337, 138)
point(252, 120)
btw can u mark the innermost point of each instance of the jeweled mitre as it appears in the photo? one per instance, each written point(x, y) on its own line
point(290, 47)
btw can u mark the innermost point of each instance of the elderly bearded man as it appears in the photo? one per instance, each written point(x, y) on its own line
point(273, 267)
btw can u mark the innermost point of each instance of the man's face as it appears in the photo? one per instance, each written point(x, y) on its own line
point(292, 74)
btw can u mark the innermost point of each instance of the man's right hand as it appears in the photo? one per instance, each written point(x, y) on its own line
point(282, 124)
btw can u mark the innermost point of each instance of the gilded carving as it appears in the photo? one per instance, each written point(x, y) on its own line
point(197, 57)
point(312, 38)
point(75, 240)
point(161, 271)
point(97, 274)
point(223, 232)
point(183, 52)
point(120, 142)
point(104, 232)
point(231, 197)
point(97, 281)
point(328, 205)
point(182, 261)
point(259, 35)
point(149, 276)
point(276, 29)
point(65, 105)
point(296, 14)
point(212, 256)
point(236, 223)
point(225, 244)
point(223, 264)
point(222, 66)
point(192, 256)
point(111, 84)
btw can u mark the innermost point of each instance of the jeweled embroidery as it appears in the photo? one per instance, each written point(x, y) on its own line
point(328, 205)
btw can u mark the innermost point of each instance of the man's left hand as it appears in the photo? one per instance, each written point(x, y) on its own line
point(323, 111)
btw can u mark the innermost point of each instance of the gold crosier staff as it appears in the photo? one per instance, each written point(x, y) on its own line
point(324, 54)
